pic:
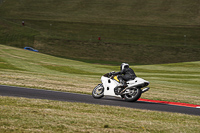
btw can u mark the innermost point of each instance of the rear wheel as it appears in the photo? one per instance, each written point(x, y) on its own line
point(133, 94)
point(98, 91)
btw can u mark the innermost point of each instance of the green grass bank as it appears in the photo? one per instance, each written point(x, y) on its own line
point(177, 82)
point(138, 32)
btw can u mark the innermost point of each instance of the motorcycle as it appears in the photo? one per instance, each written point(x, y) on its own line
point(110, 86)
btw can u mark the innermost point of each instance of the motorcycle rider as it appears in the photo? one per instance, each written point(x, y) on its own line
point(125, 74)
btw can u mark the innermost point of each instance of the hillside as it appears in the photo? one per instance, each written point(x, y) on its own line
point(177, 82)
point(138, 32)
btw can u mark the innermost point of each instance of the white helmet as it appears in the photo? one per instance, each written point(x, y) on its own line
point(124, 65)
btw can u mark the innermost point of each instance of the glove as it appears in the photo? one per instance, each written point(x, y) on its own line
point(112, 73)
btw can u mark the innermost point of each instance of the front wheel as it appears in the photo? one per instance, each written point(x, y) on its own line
point(98, 91)
point(133, 94)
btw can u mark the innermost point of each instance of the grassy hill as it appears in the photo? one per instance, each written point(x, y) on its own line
point(178, 82)
point(138, 32)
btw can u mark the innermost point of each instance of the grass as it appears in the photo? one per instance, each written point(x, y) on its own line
point(139, 32)
point(172, 82)
point(28, 115)
point(177, 82)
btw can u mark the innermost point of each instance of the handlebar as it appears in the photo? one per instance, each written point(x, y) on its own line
point(109, 75)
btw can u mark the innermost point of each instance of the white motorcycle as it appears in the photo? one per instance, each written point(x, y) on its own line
point(110, 86)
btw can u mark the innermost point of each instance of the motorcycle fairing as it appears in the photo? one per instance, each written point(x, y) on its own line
point(137, 82)
point(109, 85)
point(115, 78)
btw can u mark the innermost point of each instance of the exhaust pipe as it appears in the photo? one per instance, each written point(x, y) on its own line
point(145, 89)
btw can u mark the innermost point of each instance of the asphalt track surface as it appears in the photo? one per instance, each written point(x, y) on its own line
point(82, 98)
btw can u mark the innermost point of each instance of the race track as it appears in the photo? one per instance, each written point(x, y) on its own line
point(73, 97)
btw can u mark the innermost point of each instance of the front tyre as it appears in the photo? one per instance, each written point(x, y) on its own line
point(132, 95)
point(98, 91)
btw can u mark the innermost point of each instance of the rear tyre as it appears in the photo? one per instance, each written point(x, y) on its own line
point(98, 91)
point(132, 95)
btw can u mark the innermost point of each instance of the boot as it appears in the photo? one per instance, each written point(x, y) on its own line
point(123, 84)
